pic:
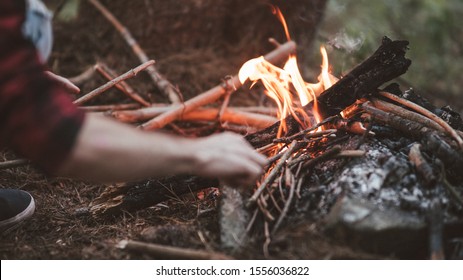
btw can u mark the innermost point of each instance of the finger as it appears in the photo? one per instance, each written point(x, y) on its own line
point(248, 152)
point(230, 166)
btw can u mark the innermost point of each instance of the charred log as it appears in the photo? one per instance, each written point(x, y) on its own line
point(140, 195)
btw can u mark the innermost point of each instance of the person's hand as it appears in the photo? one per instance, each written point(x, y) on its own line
point(70, 87)
point(228, 157)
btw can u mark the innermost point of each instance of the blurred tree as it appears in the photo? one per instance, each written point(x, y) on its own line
point(433, 27)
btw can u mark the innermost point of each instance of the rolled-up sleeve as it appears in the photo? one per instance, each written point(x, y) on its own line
point(37, 117)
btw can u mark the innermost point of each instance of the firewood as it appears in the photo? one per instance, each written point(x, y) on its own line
point(276, 56)
point(428, 114)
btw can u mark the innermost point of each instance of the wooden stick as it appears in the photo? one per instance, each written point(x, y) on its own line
point(13, 163)
point(109, 74)
point(410, 115)
point(258, 110)
point(426, 113)
point(169, 252)
point(115, 107)
point(164, 85)
point(307, 135)
point(276, 56)
point(203, 114)
point(83, 77)
point(129, 74)
point(143, 114)
point(287, 205)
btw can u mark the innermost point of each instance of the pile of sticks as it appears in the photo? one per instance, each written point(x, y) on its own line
point(436, 153)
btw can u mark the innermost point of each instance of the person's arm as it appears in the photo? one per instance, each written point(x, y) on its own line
point(109, 151)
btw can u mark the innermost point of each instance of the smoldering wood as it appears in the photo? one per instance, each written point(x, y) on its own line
point(386, 63)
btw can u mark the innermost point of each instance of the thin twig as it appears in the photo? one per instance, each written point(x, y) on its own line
point(426, 113)
point(277, 55)
point(304, 132)
point(251, 222)
point(268, 240)
point(13, 163)
point(262, 205)
point(129, 74)
point(170, 252)
point(109, 74)
point(226, 101)
point(273, 174)
point(274, 201)
point(287, 204)
point(164, 85)
point(83, 77)
point(309, 161)
point(308, 135)
point(115, 107)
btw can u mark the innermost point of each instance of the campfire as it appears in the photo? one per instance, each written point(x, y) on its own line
point(354, 156)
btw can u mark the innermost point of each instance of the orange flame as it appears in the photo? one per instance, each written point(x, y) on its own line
point(286, 87)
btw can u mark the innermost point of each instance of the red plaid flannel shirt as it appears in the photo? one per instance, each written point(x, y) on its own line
point(37, 117)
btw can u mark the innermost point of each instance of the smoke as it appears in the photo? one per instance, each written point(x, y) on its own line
point(347, 43)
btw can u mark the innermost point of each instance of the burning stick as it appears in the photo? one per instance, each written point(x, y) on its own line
point(426, 113)
point(276, 56)
point(129, 74)
point(386, 63)
point(164, 85)
point(109, 74)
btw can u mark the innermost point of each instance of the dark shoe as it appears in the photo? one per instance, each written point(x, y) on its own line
point(15, 207)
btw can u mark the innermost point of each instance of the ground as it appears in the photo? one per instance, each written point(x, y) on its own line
point(194, 63)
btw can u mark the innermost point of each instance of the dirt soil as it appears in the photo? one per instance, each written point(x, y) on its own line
point(195, 43)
